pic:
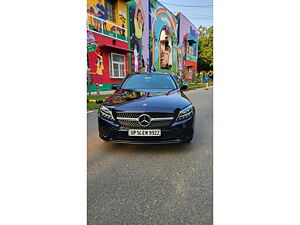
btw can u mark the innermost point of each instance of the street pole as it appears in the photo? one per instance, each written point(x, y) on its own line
point(89, 88)
point(97, 89)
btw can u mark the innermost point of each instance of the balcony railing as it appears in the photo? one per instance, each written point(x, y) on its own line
point(106, 28)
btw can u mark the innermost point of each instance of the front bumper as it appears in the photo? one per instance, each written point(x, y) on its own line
point(178, 132)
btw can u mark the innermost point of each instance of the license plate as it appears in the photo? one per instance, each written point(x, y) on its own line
point(144, 133)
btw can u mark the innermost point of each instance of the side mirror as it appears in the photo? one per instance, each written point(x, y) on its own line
point(114, 87)
point(183, 87)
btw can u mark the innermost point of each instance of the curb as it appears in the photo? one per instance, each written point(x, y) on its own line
point(94, 101)
point(102, 93)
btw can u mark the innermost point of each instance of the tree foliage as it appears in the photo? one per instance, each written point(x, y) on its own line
point(205, 53)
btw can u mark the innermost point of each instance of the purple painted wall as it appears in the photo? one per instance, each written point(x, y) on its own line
point(187, 47)
point(186, 27)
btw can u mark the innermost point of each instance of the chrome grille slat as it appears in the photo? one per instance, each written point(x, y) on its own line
point(162, 119)
point(127, 119)
point(137, 114)
point(130, 119)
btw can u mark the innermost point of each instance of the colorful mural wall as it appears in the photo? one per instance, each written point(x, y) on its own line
point(138, 38)
point(100, 59)
point(125, 36)
point(187, 48)
point(163, 38)
point(107, 44)
point(100, 19)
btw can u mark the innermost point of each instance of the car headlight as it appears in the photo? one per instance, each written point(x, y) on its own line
point(185, 113)
point(106, 113)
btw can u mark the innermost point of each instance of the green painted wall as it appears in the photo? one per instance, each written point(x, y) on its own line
point(166, 71)
point(104, 87)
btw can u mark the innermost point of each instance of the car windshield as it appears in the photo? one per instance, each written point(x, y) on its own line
point(149, 81)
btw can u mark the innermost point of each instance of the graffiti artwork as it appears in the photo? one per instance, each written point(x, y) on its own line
point(122, 16)
point(105, 21)
point(97, 9)
point(138, 21)
point(188, 44)
point(99, 64)
point(164, 37)
point(151, 38)
point(184, 50)
point(90, 37)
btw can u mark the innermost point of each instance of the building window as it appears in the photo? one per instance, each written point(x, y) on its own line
point(110, 6)
point(117, 65)
point(191, 49)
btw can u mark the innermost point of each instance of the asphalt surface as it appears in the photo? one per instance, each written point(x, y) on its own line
point(153, 184)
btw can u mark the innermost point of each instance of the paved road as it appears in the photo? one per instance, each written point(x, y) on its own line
point(153, 184)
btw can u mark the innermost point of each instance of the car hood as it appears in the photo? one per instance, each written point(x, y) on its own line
point(148, 100)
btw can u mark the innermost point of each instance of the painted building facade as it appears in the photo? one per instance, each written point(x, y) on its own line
point(152, 37)
point(187, 48)
point(107, 40)
point(137, 36)
point(163, 38)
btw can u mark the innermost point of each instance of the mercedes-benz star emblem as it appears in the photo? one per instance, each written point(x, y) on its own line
point(144, 120)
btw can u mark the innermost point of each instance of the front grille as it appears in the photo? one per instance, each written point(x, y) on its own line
point(153, 124)
point(137, 114)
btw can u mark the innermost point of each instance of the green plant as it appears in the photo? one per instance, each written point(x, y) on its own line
point(205, 49)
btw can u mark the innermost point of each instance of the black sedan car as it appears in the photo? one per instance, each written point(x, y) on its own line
point(147, 108)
